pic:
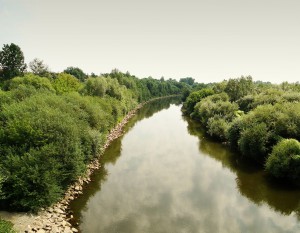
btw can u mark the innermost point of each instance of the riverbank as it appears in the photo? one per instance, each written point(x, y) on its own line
point(58, 217)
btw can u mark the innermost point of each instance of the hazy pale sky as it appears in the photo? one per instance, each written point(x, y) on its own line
point(209, 40)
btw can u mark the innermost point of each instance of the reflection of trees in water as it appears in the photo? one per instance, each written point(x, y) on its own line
point(113, 152)
point(252, 182)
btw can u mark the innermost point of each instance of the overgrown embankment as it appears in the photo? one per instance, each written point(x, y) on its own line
point(57, 217)
point(260, 120)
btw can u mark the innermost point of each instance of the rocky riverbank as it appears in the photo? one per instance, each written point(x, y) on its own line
point(58, 217)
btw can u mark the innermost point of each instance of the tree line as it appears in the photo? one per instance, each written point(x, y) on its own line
point(54, 124)
point(260, 120)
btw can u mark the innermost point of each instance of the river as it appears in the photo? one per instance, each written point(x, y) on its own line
point(164, 175)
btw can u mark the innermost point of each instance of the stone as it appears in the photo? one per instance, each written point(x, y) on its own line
point(55, 229)
point(40, 231)
point(63, 223)
point(59, 211)
point(67, 230)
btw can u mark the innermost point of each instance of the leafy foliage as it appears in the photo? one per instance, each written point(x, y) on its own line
point(194, 98)
point(76, 72)
point(42, 152)
point(217, 127)
point(284, 161)
point(65, 83)
point(215, 105)
point(237, 88)
point(29, 80)
point(95, 87)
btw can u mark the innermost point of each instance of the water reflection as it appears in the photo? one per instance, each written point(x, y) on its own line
point(113, 152)
point(161, 177)
point(251, 180)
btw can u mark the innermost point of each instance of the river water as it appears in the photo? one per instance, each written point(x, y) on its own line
point(164, 175)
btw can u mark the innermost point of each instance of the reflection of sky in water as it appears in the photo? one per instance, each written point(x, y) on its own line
point(162, 183)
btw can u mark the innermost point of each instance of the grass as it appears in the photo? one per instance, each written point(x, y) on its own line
point(6, 227)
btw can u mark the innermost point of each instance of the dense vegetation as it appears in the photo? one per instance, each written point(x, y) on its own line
point(260, 120)
point(53, 124)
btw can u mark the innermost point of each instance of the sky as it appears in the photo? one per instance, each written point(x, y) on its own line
point(209, 40)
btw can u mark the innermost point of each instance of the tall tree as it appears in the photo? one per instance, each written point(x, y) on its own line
point(239, 87)
point(76, 72)
point(188, 80)
point(11, 61)
point(38, 67)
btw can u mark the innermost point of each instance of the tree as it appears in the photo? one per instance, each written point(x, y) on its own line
point(237, 88)
point(76, 72)
point(95, 87)
point(188, 80)
point(38, 67)
point(11, 61)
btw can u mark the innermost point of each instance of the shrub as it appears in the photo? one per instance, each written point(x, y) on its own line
point(44, 144)
point(29, 80)
point(215, 105)
point(195, 97)
point(258, 131)
point(234, 132)
point(254, 141)
point(217, 127)
point(291, 96)
point(284, 161)
point(245, 103)
point(270, 96)
point(65, 83)
point(95, 87)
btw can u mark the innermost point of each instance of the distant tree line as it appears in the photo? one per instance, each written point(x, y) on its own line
point(54, 124)
point(260, 120)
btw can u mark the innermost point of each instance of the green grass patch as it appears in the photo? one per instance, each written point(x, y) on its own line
point(6, 227)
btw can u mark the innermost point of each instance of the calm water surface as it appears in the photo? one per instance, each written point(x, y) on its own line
point(163, 175)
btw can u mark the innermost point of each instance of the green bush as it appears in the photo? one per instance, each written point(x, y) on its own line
point(194, 98)
point(45, 145)
point(233, 133)
point(284, 161)
point(29, 80)
point(95, 87)
point(258, 131)
point(215, 105)
point(254, 141)
point(217, 127)
point(65, 83)
point(291, 97)
point(245, 103)
point(269, 96)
